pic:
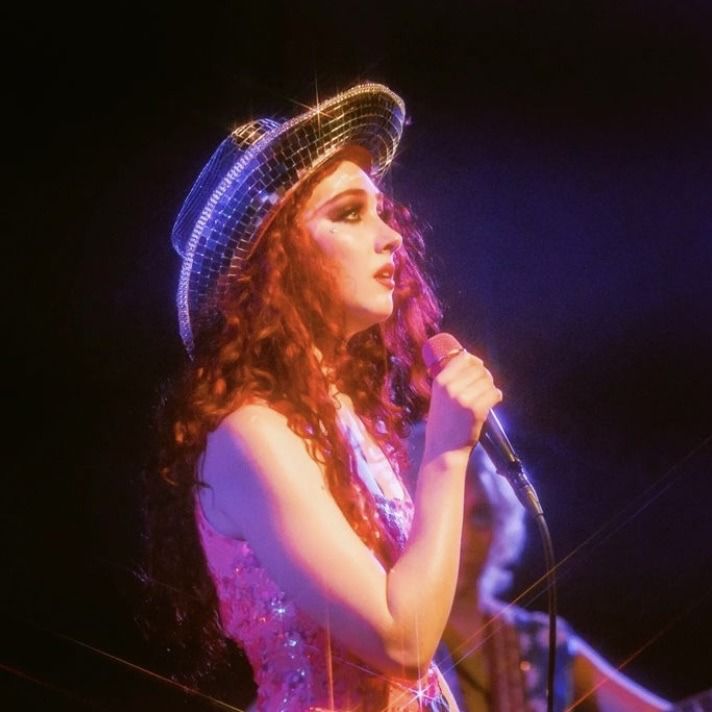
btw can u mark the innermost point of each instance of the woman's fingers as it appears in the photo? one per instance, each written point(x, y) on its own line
point(463, 362)
point(467, 383)
point(466, 379)
point(484, 400)
point(463, 393)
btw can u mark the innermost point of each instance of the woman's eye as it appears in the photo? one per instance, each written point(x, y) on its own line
point(354, 213)
point(351, 214)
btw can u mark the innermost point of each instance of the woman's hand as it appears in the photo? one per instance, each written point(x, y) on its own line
point(463, 393)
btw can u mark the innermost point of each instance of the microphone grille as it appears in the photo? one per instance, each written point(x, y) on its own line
point(437, 348)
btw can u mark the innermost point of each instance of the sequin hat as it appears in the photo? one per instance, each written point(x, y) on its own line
point(241, 187)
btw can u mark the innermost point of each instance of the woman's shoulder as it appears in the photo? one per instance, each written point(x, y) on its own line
point(252, 458)
point(255, 438)
point(250, 424)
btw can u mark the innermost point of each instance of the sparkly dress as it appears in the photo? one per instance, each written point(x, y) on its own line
point(296, 664)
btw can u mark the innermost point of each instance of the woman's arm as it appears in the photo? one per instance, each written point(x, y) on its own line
point(266, 488)
point(601, 688)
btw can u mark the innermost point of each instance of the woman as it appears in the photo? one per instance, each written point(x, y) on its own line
point(304, 307)
point(494, 655)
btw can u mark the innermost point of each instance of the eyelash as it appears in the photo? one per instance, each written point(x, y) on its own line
point(343, 216)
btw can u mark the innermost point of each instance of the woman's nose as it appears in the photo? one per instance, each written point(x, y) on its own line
point(389, 240)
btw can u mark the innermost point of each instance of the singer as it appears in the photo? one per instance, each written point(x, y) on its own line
point(280, 520)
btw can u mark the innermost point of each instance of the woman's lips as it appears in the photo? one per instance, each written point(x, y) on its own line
point(385, 276)
point(386, 281)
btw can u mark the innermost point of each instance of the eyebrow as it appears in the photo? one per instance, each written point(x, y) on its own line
point(351, 192)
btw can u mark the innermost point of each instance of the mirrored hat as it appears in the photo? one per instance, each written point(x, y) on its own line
point(243, 184)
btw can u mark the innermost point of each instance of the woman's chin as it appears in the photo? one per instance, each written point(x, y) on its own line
point(369, 319)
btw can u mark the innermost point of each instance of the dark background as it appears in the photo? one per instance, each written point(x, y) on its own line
point(561, 152)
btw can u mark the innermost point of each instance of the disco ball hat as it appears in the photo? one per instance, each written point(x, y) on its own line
point(246, 180)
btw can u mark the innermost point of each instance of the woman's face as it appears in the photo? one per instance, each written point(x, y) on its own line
point(344, 217)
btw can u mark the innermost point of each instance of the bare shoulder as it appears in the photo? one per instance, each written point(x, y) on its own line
point(258, 435)
point(252, 421)
point(253, 460)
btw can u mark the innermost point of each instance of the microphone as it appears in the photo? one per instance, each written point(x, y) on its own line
point(437, 351)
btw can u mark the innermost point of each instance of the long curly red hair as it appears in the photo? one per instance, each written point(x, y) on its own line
point(262, 347)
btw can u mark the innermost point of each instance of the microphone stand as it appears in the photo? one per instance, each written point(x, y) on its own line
point(506, 463)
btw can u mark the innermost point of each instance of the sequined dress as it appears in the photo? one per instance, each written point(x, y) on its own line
point(296, 665)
